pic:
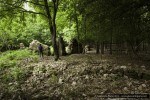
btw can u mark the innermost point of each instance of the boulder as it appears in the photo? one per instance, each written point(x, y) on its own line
point(34, 46)
point(61, 46)
point(86, 48)
point(21, 45)
point(68, 49)
point(73, 47)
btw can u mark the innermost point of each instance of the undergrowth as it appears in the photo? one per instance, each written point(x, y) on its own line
point(10, 68)
point(11, 58)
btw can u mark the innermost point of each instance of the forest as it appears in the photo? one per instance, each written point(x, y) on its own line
point(90, 48)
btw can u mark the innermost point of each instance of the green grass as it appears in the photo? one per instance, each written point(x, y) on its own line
point(16, 55)
point(10, 67)
point(11, 58)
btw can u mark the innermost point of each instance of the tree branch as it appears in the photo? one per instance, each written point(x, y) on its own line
point(34, 12)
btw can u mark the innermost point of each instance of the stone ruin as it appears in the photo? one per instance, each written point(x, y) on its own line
point(21, 45)
point(72, 48)
point(61, 46)
point(34, 46)
point(86, 48)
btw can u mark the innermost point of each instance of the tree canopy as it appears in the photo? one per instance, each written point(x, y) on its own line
point(113, 21)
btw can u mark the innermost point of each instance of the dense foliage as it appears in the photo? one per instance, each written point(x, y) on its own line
point(89, 21)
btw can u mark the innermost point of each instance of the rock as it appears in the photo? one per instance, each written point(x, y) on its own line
point(123, 67)
point(84, 95)
point(126, 77)
point(117, 67)
point(112, 75)
point(129, 64)
point(125, 89)
point(73, 46)
point(10, 84)
point(74, 83)
point(21, 45)
point(144, 85)
point(105, 75)
point(143, 67)
point(34, 46)
point(86, 48)
point(87, 77)
point(110, 70)
point(129, 84)
point(47, 74)
point(140, 88)
point(61, 46)
point(135, 89)
point(68, 49)
point(101, 71)
point(60, 80)
point(27, 81)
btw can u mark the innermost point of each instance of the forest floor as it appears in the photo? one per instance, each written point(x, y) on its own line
point(78, 77)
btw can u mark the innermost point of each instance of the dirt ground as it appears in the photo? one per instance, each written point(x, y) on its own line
point(79, 77)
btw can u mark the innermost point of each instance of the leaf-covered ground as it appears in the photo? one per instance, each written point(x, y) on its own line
point(76, 77)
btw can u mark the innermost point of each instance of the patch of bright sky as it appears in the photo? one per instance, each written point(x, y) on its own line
point(26, 6)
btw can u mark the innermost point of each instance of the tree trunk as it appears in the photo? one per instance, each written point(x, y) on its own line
point(133, 50)
point(97, 47)
point(62, 50)
point(77, 29)
point(143, 46)
point(85, 27)
point(52, 26)
point(54, 43)
point(102, 48)
point(77, 33)
point(110, 44)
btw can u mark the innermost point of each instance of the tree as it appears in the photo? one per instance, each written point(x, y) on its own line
point(52, 24)
point(118, 21)
point(14, 7)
